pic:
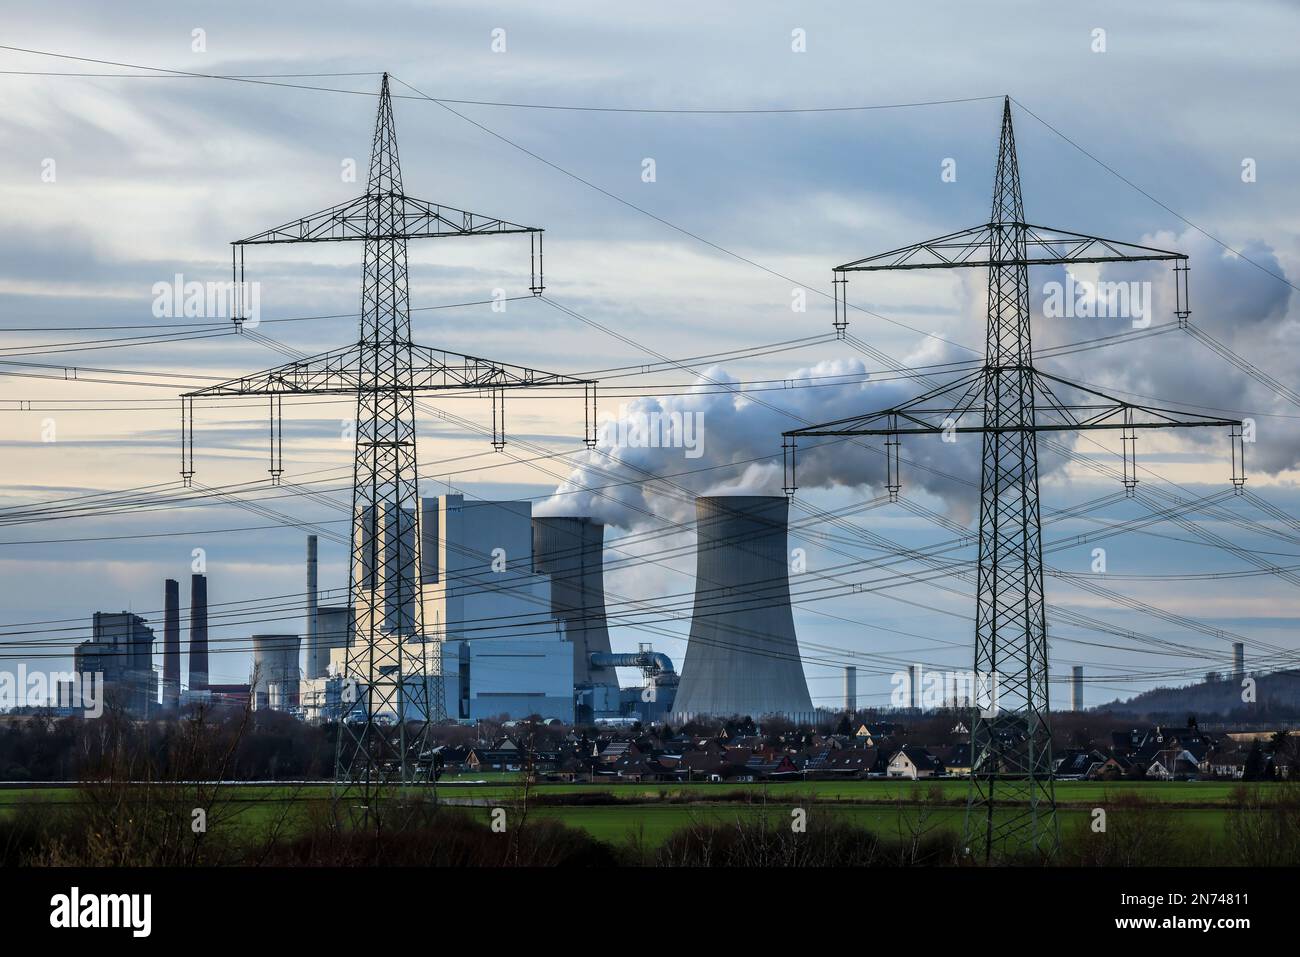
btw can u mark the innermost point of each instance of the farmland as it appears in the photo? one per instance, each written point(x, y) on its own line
point(649, 813)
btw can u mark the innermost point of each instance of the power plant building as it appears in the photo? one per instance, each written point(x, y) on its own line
point(513, 612)
point(742, 657)
point(336, 629)
point(502, 651)
point(121, 651)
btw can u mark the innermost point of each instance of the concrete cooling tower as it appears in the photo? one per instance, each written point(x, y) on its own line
point(742, 657)
point(275, 671)
point(571, 552)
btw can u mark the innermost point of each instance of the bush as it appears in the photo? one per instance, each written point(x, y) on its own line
point(826, 843)
point(423, 835)
point(1139, 832)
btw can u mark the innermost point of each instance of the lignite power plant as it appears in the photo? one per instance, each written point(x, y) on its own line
point(460, 610)
point(514, 607)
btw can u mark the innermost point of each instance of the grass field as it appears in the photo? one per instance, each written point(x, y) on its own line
point(651, 812)
point(1197, 793)
point(652, 824)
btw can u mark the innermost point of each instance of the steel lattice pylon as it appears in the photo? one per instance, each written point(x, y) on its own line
point(394, 666)
point(1014, 739)
point(1011, 811)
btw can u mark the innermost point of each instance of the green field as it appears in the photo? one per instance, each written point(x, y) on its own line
point(651, 812)
point(653, 824)
point(1197, 793)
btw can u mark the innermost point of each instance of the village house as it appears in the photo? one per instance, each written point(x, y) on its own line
point(913, 762)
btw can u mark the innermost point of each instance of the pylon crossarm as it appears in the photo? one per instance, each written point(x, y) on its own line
point(942, 252)
point(413, 219)
point(1111, 412)
point(967, 388)
point(1044, 245)
point(1047, 245)
point(347, 220)
point(338, 372)
point(925, 414)
point(426, 220)
point(435, 370)
point(1083, 419)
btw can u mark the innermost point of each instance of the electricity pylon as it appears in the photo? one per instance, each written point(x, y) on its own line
point(1011, 811)
point(394, 667)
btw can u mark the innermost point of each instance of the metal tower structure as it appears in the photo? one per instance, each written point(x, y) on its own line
point(1011, 811)
point(394, 666)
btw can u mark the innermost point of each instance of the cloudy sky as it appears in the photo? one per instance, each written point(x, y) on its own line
point(1142, 132)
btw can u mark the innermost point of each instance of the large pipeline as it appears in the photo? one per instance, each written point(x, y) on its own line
point(637, 659)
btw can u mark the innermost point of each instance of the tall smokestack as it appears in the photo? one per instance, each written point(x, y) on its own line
point(850, 689)
point(743, 656)
point(1238, 661)
point(1076, 689)
point(171, 644)
point(313, 653)
point(572, 552)
point(198, 633)
point(914, 686)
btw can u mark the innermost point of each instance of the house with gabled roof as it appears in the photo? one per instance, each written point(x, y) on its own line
point(813, 760)
point(854, 762)
point(777, 767)
point(1225, 762)
point(1171, 763)
point(914, 762)
point(955, 758)
point(615, 750)
point(1077, 764)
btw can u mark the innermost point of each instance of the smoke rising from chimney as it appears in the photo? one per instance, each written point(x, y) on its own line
point(737, 449)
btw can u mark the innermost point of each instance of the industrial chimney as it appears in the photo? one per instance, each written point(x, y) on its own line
point(1238, 661)
point(313, 654)
point(1076, 689)
point(171, 644)
point(743, 657)
point(850, 688)
point(198, 633)
point(572, 552)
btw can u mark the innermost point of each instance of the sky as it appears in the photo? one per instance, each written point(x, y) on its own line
point(1165, 128)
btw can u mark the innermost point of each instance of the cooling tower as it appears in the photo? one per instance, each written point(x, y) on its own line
point(742, 657)
point(572, 552)
point(198, 633)
point(171, 644)
point(275, 667)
